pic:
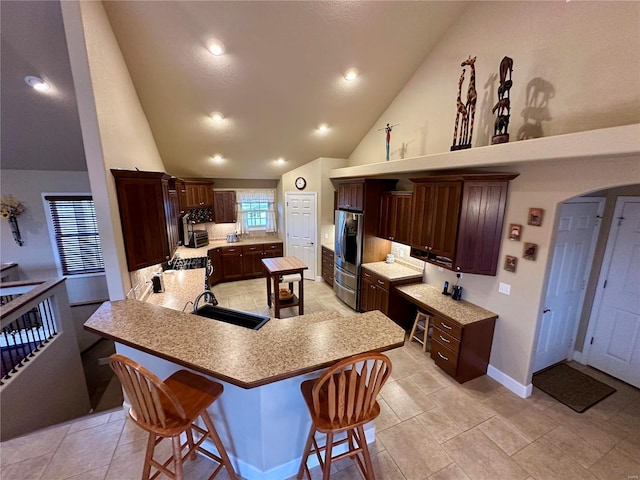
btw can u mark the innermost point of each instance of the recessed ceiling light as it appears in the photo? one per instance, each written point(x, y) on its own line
point(280, 161)
point(217, 117)
point(350, 74)
point(216, 48)
point(37, 83)
point(218, 158)
point(323, 127)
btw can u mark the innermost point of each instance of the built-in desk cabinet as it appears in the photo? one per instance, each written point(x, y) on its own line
point(462, 350)
point(462, 332)
point(457, 220)
point(376, 293)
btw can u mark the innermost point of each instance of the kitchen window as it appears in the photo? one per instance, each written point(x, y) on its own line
point(256, 210)
point(74, 234)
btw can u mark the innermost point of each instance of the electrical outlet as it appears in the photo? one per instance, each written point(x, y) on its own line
point(504, 288)
point(401, 253)
point(326, 235)
point(440, 269)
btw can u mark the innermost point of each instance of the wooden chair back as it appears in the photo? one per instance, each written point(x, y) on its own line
point(154, 405)
point(344, 395)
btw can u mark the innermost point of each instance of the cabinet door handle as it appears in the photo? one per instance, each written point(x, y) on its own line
point(446, 326)
point(444, 339)
point(442, 356)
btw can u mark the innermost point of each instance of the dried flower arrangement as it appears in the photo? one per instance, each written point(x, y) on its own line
point(9, 207)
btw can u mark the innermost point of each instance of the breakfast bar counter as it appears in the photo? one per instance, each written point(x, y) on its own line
point(282, 348)
point(261, 417)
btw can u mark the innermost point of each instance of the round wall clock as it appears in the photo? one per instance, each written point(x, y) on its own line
point(300, 183)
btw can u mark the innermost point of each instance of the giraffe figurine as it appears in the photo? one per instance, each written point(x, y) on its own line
point(461, 112)
point(472, 97)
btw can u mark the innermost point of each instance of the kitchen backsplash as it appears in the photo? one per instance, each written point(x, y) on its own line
point(141, 281)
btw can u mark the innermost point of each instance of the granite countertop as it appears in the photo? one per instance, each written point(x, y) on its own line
point(282, 348)
point(433, 300)
point(180, 286)
point(186, 252)
point(394, 271)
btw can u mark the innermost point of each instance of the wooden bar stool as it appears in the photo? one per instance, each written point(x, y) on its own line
point(168, 409)
point(420, 331)
point(343, 399)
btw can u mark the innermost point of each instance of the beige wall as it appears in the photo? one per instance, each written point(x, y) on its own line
point(587, 51)
point(578, 49)
point(115, 131)
point(316, 173)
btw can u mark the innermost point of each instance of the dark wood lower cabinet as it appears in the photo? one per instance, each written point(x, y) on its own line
point(232, 268)
point(241, 262)
point(377, 293)
point(462, 351)
point(327, 266)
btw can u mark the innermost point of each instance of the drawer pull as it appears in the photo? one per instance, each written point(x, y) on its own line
point(380, 282)
point(444, 339)
point(446, 326)
point(443, 357)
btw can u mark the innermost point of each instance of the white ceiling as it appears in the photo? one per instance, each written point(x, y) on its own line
point(281, 78)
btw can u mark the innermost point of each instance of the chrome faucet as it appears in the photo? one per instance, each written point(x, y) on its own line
point(211, 299)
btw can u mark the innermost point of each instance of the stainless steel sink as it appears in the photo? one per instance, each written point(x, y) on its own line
point(235, 317)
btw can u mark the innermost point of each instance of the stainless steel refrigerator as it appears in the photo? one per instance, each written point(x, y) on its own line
point(348, 257)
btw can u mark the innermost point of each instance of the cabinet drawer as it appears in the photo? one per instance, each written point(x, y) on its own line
point(445, 339)
point(375, 279)
point(251, 248)
point(444, 358)
point(272, 246)
point(447, 326)
point(230, 250)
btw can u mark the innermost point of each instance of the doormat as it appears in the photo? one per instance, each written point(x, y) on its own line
point(575, 389)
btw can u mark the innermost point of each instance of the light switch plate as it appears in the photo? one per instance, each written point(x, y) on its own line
point(326, 235)
point(504, 288)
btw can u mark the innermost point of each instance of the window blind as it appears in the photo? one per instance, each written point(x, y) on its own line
point(76, 234)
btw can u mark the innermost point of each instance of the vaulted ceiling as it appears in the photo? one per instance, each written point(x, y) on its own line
point(281, 77)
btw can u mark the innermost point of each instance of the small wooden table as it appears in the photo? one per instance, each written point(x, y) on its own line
point(275, 268)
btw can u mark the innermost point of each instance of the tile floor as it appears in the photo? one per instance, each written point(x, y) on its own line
point(430, 427)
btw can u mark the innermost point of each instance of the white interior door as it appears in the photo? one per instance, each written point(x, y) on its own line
point(301, 229)
point(576, 238)
point(615, 341)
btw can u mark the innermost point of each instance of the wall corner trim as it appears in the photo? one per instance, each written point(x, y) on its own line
point(523, 391)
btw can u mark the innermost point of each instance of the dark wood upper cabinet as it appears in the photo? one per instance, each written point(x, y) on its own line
point(395, 216)
point(480, 232)
point(145, 215)
point(351, 196)
point(224, 209)
point(457, 220)
point(198, 194)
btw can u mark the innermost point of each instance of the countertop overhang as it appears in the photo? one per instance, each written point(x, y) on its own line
point(283, 348)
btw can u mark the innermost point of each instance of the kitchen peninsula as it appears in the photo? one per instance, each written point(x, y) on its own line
point(261, 416)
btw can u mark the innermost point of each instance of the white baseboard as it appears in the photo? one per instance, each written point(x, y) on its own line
point(288, 469)
point(523, 391)
point(580, 357)
point(319, 278)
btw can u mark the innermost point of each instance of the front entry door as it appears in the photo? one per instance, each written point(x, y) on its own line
point(615, 343)
point(576, 238)
point(301, 230)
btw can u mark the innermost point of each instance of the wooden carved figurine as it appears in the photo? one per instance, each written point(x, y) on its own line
point(461, 111)
point(467, 111)
point(503, 105)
